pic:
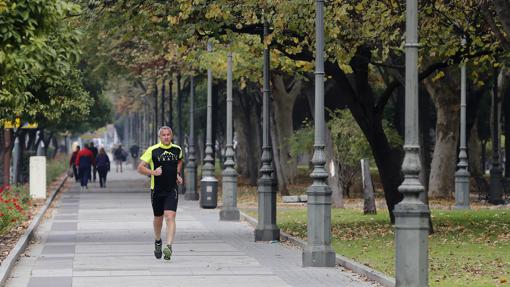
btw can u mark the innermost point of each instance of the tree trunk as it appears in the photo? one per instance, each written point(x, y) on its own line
point(387, 158)
point(389, 164)
point(506, 108)
point(32, 135)
point(484, 156)
point(474, 152)
point(21, 159)
point(333, 168)
point(444, 160)
point(426, 142)
point(279, 170)
point(170, 122)
point(8, 144)
point(368, 189)
point(2, 151)
point(47, 143)
point(54, 141)
point(284, 97)
point(505, 95)
point(248, 132)
point(503, 11)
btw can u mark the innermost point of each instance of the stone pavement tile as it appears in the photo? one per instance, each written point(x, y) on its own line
point(65, 272)
point(67, 211)
point(119, 236)
point(58, 249)
point(50, 281)
point(61, 238)
point(110, 226)
point(64, 226)
point(66, 217)
point(180, 281)
point(53, 263)
point(139, 262)
point(66, 198)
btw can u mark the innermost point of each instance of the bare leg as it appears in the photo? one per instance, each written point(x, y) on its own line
point(158, 224)
point(170, 226)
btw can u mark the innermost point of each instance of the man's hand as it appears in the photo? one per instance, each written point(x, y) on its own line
point(158, 171)
point(179, 179)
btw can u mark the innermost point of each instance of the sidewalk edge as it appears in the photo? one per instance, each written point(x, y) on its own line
point(350, 264)
point(12, 258)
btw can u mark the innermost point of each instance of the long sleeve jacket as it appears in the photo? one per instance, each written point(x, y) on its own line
point(85, 158)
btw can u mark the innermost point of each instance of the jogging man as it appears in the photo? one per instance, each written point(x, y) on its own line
point(163, 162)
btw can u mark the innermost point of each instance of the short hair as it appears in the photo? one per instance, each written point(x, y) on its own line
point(165, 128)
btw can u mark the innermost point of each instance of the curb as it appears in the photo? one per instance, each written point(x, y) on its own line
point(10, 260)
point(350, 264)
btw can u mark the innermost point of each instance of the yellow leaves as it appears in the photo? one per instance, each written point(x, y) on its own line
point(3, 6)
point(268, 39)
point(242, 83)
point(173, 20)
point(359, 7)
point(307, 66)
point(334, 32)
point(438, 76)
point(346, 68)
point(213, 12)
point(155, 19)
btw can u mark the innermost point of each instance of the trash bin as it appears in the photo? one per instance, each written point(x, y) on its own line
point(208, 192)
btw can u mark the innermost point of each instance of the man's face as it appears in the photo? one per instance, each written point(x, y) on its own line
point(166, 137)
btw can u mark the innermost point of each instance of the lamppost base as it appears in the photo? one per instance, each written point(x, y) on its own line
point(270, 233)
point(461, 189)
point(411, 234)
point(231, 214)
point(319, 256)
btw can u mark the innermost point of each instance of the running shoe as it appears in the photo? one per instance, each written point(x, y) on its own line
point(167, 251)
point(157, 249)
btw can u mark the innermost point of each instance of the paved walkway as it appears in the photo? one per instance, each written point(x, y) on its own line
point(104, 238)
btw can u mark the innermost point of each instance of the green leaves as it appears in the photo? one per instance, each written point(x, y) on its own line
point(36, 45)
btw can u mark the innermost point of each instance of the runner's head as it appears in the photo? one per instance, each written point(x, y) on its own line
point(165, 135)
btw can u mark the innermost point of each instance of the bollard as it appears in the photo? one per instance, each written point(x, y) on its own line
point(38, 177)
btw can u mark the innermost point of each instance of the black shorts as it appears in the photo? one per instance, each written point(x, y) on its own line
point(162, 202)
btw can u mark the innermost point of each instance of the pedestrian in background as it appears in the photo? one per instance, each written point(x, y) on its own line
point(119, 155)
point(72, 163)
point(93, 149)
point(84, 161)
point(103, 166)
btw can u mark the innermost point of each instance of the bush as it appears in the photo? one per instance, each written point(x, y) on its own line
point(56, 167)
point(14, 204)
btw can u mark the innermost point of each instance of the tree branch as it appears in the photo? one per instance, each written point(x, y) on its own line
point(454, 60)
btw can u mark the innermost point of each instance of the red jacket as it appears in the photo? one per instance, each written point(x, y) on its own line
point(85, 157)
